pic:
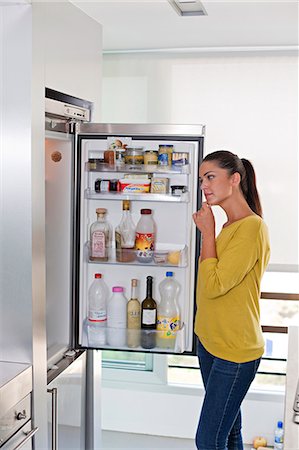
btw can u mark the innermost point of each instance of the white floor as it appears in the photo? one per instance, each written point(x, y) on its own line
point(69, 439)
point(123, 441)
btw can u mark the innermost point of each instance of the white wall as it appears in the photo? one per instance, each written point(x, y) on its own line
point(249, 104)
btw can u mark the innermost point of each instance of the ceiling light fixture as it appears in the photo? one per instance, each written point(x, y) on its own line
point(188, 7)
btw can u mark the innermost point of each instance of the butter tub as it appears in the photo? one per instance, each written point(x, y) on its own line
point(135, 186)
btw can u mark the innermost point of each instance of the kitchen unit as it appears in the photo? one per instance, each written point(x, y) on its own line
point(16, 429)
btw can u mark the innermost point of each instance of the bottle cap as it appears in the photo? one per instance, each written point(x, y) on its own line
point(117, 289)
point(279, 424)
point(101, 210)
point(169, 274)
point(134, 282)
point(98, 275)
point(145, 211)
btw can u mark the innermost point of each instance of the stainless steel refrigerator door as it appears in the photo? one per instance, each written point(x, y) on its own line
point(173, 216)
point(59, 160)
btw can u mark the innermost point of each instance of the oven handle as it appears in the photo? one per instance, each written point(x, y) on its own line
point(29, 435)
point(53, 392)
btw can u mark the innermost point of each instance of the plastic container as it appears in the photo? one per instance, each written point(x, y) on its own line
point(278, 436)
point(97, 311)
point(168, 317)
point(160, 257)
point(117, 318)
point(145, 237)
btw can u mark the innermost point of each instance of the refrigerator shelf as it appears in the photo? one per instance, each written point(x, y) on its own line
point(149, 197)
point(111, 338)
point(165, 255)
point(139, 168)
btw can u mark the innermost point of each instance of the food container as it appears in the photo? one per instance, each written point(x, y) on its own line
point(134, 155)
point(165, 155)
point(160, 257)
point(160, 185)
point(151, 157)
point(134, 185)
point(178, 189)
point(180, 158)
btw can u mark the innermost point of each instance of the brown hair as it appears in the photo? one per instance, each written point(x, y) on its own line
point(232, 163)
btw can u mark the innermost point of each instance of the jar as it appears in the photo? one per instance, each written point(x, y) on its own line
point(134, 155)
point(109, 156)
point(151, 157)
point(165, 155)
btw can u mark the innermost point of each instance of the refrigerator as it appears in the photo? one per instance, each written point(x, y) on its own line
point(75, 165)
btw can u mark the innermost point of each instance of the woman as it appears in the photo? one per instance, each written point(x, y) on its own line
point(230, 342)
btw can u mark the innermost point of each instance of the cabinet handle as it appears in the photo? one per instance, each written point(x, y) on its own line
point(29, 435)
point(53, 392)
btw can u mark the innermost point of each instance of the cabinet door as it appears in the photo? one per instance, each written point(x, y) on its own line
point(172, 201)
point(69, 386)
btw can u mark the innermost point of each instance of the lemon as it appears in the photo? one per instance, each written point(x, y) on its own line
point(174, 257)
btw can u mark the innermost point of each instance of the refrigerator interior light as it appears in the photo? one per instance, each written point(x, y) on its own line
point(188, 7)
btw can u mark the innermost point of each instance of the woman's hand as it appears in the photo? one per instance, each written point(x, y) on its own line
point(204, 220)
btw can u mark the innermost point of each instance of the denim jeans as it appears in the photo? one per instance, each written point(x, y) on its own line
point(226, 384)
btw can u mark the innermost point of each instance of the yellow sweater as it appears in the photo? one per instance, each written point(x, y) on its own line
point(228, 290)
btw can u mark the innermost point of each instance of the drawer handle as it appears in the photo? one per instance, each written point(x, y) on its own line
point(21, 415)
point(29, 435)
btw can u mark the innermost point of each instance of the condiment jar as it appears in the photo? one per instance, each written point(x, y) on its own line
point(134, 155)
point(151, 157)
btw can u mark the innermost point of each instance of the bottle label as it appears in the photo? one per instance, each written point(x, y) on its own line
point(98, 244)
point(168, 326)
point(95, 315)
point(149, 316)
point(144, 244)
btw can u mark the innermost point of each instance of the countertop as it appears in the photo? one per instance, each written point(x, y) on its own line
point(15, 383)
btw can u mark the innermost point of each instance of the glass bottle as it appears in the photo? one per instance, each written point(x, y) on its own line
point(133, 317)
point(100, 237)
point(148, 317)
point(145, 237)
point(125, 235)
point(168, 316)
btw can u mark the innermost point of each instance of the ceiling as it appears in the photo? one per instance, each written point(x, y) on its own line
point(154, 24)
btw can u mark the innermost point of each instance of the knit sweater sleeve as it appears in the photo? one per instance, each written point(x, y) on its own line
point(219, 275)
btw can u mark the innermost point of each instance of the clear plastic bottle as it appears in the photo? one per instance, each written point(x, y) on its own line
point(145, 236)
point(278, 436)
point(125, 236)
point(117, 318)
point(168, 318)
point(97, 311)
point(100, 237)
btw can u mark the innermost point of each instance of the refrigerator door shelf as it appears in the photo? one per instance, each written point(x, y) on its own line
point(139, 168)
point(111, 338)
point(92, 195)
point(165, 255)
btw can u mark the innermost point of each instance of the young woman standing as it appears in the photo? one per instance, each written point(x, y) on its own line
point(230, 341)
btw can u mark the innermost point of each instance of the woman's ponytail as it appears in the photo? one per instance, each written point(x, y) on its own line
point(249, 189)
point(232, 163)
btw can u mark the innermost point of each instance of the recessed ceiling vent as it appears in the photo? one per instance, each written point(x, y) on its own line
point(188, 7)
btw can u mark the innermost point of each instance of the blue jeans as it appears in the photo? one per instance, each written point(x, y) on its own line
point(226, 384)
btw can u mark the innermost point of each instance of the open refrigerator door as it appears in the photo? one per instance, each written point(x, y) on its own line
point(155, 168)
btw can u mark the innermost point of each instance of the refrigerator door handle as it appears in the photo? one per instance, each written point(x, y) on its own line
point(53, 392)
point(27, 438)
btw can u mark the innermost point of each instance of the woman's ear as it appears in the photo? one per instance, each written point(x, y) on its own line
point(236, 179)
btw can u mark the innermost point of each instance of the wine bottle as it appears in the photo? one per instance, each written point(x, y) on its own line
point(148, 317)
point(133, 317)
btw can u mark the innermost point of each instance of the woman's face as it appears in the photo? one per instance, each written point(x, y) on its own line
point(216, 183)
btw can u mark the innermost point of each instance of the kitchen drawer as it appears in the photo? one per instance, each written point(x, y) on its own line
point(14, 419)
